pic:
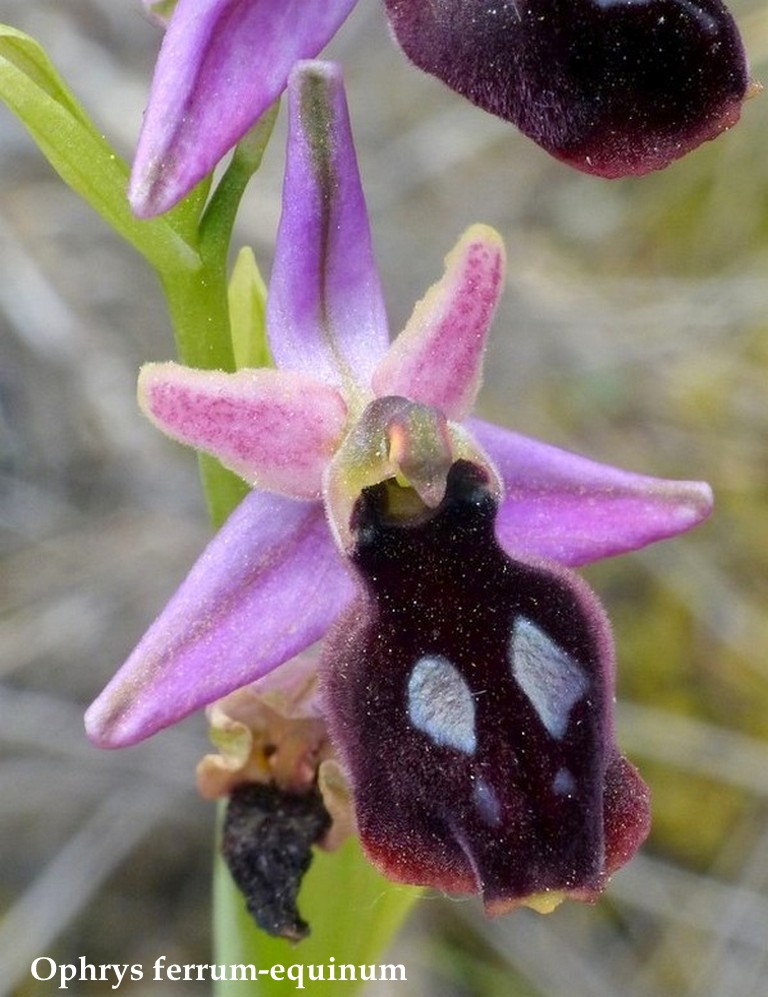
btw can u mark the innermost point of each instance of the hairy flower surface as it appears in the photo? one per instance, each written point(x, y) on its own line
point(613, 87)
point(470, 695)
point(467, 682)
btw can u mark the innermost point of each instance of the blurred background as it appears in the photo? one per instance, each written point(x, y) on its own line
point(634, 329)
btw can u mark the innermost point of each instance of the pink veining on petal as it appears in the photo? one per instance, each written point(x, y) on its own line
point(438, 357)
point(574, 510)
point(221, 65)
point(276, 429)
point(325, 310)
point(268, 585)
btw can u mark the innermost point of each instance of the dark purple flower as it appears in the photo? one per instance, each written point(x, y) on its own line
point(613, 87)
point(470, 695)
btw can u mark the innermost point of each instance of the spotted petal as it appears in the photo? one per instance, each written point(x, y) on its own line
point(325, 312)
point(573, 510)
point(437, 359)
point(613, 87)
point(268, 585)
point(222, 63)
point(276, 429)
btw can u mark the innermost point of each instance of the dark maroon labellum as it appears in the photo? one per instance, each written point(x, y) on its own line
point(469, 695)
point(613, 87)
point(267, 844)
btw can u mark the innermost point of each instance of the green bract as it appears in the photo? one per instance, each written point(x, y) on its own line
point(34, 91)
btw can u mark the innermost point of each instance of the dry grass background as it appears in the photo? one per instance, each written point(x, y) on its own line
point(634, 329)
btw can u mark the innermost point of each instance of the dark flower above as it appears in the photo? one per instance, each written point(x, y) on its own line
point(612, 87)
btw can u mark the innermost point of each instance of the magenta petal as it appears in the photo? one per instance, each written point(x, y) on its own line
point(269, 583)
point(274, 428)
point(573, 510)
point(222, 63)
point(437, 359)
point(325, 313)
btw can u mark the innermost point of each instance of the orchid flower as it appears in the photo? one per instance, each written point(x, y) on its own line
point(612, 87)
point(467, 675)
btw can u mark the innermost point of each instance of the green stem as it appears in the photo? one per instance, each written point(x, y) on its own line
point(198, 309)
point(198, 304)
point(219, 217)
point(353, 912)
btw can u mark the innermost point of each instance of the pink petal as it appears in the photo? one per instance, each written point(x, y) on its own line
point(325, 313)
point(268, 584)
point(276, 429)
point(222, 64)
point(437, 359)
point(573, 510)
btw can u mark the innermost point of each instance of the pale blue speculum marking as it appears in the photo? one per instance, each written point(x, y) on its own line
point(548, 675)
point(440, 704)
point(564, 783)
point(487, 802)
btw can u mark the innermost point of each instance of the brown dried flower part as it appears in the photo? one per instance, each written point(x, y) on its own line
point(272, 732)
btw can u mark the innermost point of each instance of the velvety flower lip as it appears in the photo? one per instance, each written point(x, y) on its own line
point(273, 580)
point(612, 87)
point(506, 780)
